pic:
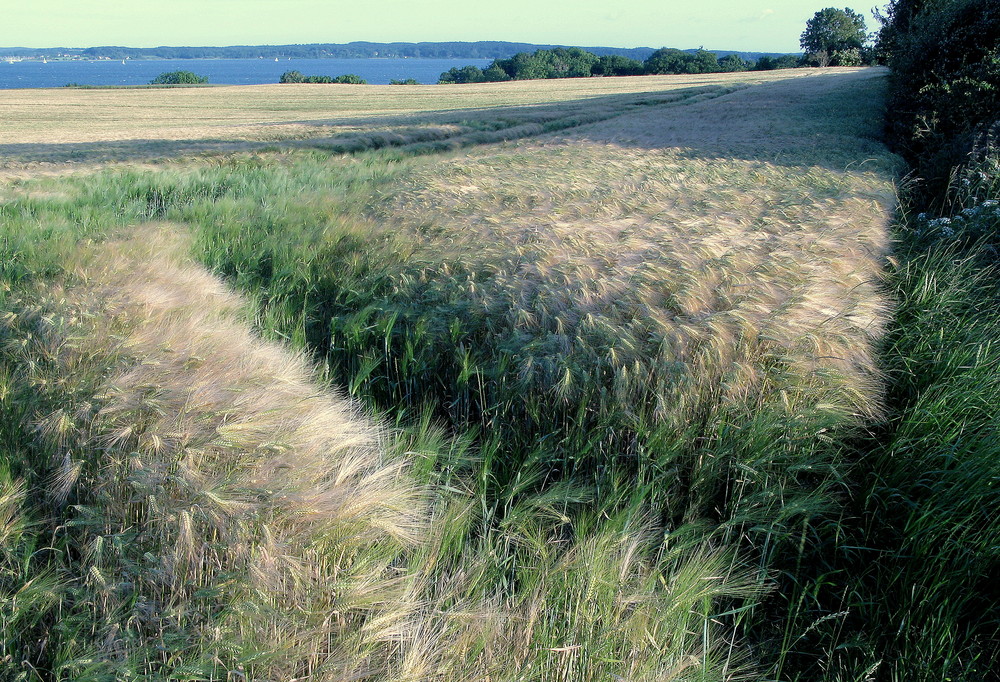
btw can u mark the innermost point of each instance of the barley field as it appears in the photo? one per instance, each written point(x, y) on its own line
point(570, 380)
point(69, 127)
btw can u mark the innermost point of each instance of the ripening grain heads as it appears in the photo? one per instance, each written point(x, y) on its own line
point(712, 265)
point(228, 492)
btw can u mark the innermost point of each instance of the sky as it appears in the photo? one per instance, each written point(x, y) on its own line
point(744, 25)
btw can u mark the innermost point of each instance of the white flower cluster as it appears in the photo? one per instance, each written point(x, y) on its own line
point(974, 219)
point(982, 210)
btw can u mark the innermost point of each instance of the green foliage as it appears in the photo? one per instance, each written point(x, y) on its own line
point(407, 81)
point(577, 63)
point(297, 77)
point(788, 61)
point(733, 62)
point(494, 74)
point(617, 65)
point(666, 60)
point(464, 74)
point(834, 37)
point(936, 474)
point(703, 61)
point(350, 79)
point(560, 62)
point(945, 85)
point(557, 63)
point(670, 61)
point(292, 77)
point(179, 78)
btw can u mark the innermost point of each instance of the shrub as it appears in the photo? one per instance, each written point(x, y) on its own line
point(734, 62)
point(292, 77)
point(945, 84)
point(494, 74)
point(788, 61)
point(616, 65)
point(297, 77)
point(465, 74)
point(350, 78)
point(179, 78)
point(667, 60)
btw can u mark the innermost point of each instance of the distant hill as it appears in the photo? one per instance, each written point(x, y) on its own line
point(355, 50)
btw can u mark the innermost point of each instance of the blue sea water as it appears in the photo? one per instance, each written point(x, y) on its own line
point(54, 74)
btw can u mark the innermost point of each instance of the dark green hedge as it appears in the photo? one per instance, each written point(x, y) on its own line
point(944, 101)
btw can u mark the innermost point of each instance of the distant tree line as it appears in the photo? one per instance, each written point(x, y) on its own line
point(298, 77)
point(575, 62)
point(352, 50)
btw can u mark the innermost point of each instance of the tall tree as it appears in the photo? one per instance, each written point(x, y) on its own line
point(616, 65)
point(833, 32)
point(666, 60)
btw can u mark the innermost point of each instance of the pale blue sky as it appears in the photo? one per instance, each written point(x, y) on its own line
point(750, 25)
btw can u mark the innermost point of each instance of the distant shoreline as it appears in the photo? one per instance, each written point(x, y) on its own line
point(353, 50)
point(171, 59)
point(127, 72)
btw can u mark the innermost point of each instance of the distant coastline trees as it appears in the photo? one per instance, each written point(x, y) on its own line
point(575, 62)
point(179, 78)
point(354, 50)
point(298, 77)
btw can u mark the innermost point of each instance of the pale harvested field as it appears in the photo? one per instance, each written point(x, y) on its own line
point(254, 112)
point(58, 130)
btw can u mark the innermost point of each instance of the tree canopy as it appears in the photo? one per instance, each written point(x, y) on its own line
point(464, 74)
point(765, 63)
point(561, 62)
point(298, 77)
point(617, 65)
point(944, 91)
point(834, 37)
point(575, 62)
point(670, 60)
point(179, 78)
